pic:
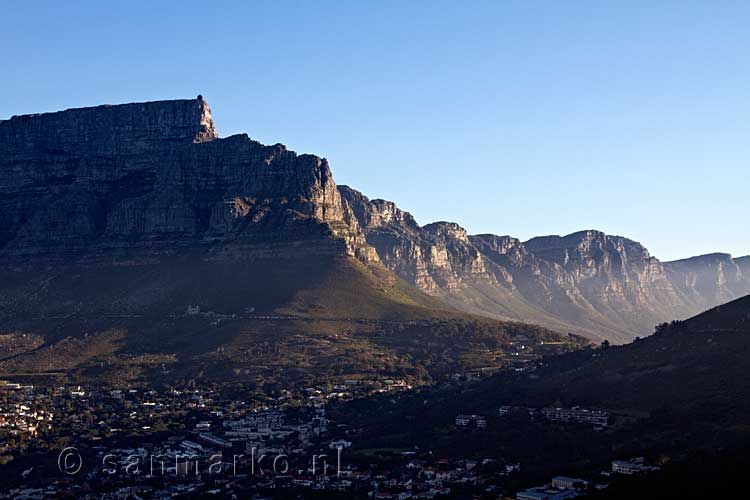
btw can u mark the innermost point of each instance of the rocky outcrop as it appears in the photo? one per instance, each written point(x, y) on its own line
point(436, 257)
point(152, 178)
point(616, 276)
point(607, 287)
point(708, 280)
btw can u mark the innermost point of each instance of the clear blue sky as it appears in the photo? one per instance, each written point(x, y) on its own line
point(522, 118)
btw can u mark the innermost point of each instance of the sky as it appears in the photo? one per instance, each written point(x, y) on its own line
point(509, 117)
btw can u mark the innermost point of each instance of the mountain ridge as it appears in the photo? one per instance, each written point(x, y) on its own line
point(133, 183)
point(603, 286)
point(134, 241)
point(157, 175)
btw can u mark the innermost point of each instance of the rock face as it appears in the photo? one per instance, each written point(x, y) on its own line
point(606, 287)
point(151, 178)
point(708, 280)
point(434, 258)
point(135, 183)
point(135, 242)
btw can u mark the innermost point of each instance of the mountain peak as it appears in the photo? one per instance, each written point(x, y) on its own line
point(587, 243)
point(377, 212)
point(155, 177)
point(116, 125)
point(450, 229)
point(709, 257)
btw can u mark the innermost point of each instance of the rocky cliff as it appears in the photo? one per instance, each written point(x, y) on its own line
point(435, 257)
point(135, 183)
point(708, 280)
point(607, 287)
point(134, 241)
point(151, 178)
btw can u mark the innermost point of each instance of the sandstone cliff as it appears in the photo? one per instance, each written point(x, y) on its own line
point(151, 178)
point(135, 241)
point(607, 287)
point(708, 280)
point(135, 183)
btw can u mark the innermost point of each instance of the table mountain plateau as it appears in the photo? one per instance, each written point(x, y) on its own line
point(135, 240)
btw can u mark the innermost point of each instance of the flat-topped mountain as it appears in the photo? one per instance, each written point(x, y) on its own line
point(606, 287)
point(141, 210)
point(134, 240)
point(152, 177)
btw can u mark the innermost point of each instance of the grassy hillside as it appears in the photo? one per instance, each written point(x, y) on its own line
point(266, 320)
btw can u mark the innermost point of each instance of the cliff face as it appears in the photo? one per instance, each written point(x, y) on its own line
point(588, 282)
point(135, 183)
point(151, 178)
point(134, 229)
point(617, 277)
point(708, 280)
point(436, 257)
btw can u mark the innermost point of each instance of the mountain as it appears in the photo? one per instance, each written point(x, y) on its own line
point(683, 388)
point(135, 240)
point(681, 392)
point(442, 260)
point(695, 367)
point(694, 370)
point(602, 286)
point(708, 280)
point(147, 179)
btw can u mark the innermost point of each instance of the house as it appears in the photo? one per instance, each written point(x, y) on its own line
point(191, 446)
point(632, 466)
point(340, 443)
point(214, 440)
point(597, 418)
point(546, 493)
point(478, 421)
point(564, 482)
point(416, 464)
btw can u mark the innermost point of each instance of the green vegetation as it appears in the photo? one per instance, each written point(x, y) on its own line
point(268, 321)
point(684, 388)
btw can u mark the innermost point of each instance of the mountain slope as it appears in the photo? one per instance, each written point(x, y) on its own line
point(602, 286)
point(695, 369)
point(679, 393)
point(133, 232)
point(708, 280)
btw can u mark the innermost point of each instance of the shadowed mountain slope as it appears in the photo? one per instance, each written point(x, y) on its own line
point(693, 369)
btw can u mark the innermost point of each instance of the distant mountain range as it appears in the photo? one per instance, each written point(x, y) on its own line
point(605, 287)
point(140, 210)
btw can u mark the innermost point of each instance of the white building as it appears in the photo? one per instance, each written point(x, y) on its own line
point(564, 482)
point(340, 443)
point(547, 493)
point(214, 440)
point(479, 421)
point(633, 466)
point(597, 418)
